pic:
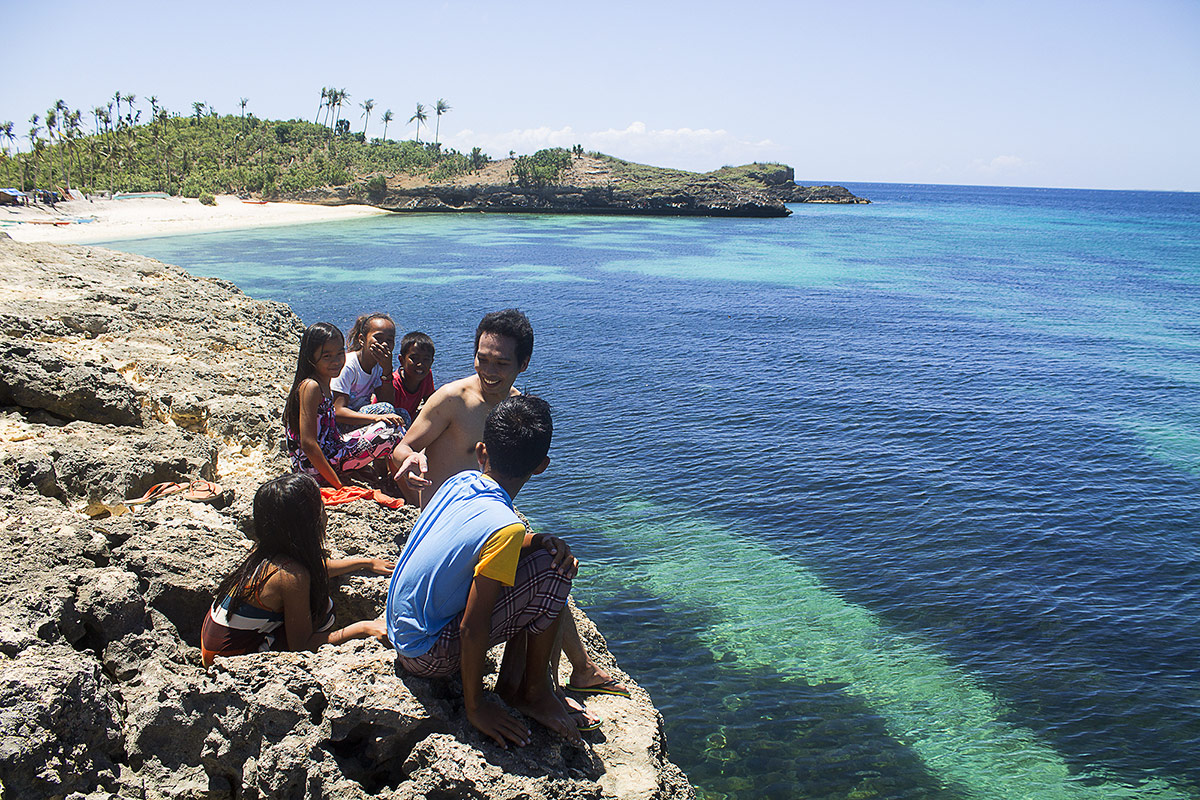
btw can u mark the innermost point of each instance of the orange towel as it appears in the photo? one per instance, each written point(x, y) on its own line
point(348, 494)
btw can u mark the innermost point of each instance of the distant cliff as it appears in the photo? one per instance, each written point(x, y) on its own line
point(590, 184)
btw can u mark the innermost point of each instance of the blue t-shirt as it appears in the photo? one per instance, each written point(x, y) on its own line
point(433, 577)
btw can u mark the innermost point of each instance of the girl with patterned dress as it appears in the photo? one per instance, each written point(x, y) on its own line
point(318, 448)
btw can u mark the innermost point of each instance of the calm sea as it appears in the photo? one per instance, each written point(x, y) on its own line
point(887, 501)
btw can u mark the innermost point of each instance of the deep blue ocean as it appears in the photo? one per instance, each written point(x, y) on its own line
point(886, 501)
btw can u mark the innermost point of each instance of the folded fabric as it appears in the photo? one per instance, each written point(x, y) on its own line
point(348, 494)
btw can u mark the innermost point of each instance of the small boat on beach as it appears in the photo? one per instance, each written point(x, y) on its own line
point(251, 201)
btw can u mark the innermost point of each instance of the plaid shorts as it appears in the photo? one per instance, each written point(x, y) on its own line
point(531, 604)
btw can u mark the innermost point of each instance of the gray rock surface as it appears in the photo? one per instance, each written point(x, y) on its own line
point(102, 693)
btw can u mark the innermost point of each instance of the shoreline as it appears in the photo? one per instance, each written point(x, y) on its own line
point(145, 218)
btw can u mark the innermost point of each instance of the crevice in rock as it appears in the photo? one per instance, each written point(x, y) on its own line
point(115, 538)
point(185, 608)
point(316, 706)
point(373, 755)
point(91, 640)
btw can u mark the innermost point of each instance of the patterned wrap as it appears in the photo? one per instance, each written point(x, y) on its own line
point(531, 604)
point(344, 451)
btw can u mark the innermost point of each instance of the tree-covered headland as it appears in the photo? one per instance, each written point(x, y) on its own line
point(122, 147)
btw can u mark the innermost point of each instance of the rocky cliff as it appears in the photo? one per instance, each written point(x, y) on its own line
point(593, 184)
point(118, 372)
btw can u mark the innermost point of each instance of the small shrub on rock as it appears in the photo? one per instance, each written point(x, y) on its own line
point(207, 199)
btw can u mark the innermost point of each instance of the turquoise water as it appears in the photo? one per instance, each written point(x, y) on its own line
point(889, 501)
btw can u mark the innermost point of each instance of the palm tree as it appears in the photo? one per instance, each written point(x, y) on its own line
point(324, 94)
point(366, 106)
point(106, 118)
point(129, 98)
point(34, 142)
point(330, 102)
point(420, 116)
point(387, 117)
point(51, 124)
point(118, 97)
point(73, 130)
point(6, 133)
point(198, 109)
point(64, 122)
point(243, 102)
point(439, 108)
point(342, 96)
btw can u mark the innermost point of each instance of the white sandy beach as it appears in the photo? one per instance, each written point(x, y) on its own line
point(138, 218)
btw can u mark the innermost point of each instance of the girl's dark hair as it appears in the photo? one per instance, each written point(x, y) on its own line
point(314, 338)
point(354, 342)
point(287, 524)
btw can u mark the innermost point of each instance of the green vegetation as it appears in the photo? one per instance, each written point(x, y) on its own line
point(543, 168)
point(207, 199)
point(206, 153)
point(645, 178)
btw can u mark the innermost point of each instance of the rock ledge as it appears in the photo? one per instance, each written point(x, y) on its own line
point(119, 372)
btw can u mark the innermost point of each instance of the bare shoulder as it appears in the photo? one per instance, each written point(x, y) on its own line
point(290, 573)
point(309, 389)
point(449, 398)
point(460, 388)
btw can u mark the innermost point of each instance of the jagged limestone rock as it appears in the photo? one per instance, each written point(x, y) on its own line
point(102, 691)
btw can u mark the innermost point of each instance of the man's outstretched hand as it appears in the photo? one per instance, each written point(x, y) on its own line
point(413, 470)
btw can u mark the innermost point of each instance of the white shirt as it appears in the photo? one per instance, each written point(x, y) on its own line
point(355, 383)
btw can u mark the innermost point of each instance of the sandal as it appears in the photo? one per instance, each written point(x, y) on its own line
point(609, 686)
point(202, 491)
point(156, 492)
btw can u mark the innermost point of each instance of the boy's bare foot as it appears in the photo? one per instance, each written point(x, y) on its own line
point(545, 708)
point(584, 720)
point(593, 680)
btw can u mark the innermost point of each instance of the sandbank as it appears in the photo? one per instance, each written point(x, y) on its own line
point(139, 218)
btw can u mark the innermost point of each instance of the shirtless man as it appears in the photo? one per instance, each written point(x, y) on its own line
point(451, 424)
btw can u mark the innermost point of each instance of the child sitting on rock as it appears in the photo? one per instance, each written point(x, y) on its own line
point(367, 371)
point(471, 576)
point(413, 383)
point(310, 423)
point(278, 597)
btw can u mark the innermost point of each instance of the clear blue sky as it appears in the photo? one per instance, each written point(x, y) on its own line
point(1047, 93)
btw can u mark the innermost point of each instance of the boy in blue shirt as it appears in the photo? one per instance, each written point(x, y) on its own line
point(471, 576)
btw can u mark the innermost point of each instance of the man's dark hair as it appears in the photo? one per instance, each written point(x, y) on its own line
point(517, 435)
point(416, 339)
point(511, 323)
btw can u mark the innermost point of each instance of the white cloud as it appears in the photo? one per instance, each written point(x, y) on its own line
point(685, 148)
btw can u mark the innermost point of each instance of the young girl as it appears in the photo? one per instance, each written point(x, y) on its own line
point(317, 447)
point(278, 598)
point(368, 370)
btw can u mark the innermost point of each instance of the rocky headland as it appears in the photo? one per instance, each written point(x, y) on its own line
point(118, 372)
point(591, 184)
